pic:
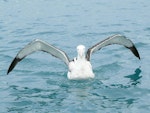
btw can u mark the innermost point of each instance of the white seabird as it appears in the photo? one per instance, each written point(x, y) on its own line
point(80, 67)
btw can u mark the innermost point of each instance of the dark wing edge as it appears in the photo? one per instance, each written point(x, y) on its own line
point(134, 51)
point(38, 45)
point(13, 64)
point(115, 39)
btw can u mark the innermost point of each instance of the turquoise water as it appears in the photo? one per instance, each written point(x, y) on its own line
point(39, 83)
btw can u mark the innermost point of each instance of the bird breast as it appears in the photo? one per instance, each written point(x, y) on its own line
point(80, 69)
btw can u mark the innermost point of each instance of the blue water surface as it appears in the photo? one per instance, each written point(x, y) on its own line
point(39, 83)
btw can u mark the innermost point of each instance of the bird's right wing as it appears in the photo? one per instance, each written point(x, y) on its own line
point(115, 39)
point(39, 45)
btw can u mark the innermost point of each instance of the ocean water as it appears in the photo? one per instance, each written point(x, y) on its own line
point(39, 83)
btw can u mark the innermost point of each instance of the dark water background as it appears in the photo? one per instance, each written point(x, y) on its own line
point(39, 84)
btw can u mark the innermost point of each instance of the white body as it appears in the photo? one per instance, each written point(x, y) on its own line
point(80, 69)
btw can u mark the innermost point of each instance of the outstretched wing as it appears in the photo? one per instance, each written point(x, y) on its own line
point(115, 39)
point(38, 45)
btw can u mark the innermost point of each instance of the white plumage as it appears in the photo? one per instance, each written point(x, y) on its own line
point(80, 67)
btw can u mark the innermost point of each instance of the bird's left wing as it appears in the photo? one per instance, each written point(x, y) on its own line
point(115, 39)
point(38, 45)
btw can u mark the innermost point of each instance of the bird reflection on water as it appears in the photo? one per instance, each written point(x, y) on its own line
point(135, 78)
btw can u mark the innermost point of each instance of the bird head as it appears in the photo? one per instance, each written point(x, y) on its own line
point(81, 51)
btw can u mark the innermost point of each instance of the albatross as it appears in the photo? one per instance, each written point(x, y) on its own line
point(80, 67)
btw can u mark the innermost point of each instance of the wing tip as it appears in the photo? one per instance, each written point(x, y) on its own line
point(135, 52)
point(13, 64)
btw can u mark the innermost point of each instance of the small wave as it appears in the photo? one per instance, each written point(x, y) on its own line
point(107, 67)
point(45, 33)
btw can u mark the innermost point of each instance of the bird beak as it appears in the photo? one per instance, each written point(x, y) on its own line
point(81, 53)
